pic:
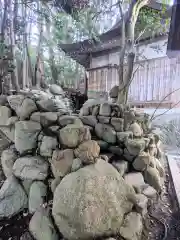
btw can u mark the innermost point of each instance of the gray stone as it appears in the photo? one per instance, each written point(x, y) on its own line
point(9, 132)
point(15, 102)
point(136, 129)
point(54, 129)
point(106, 133)
point(102, 201)
point(55, 182)
point(89, 120)
point(88, 152)
point(27, 107)
point(122, 136)
point(113, 93)
point(84, 111)
point(8, 158)
point(135, 179)
point(46, 105)
point(5, 114)
point(12, 120)
point(72, 135)
point(95, 110)
point(141, 202)
point(30, 168)
point(135, 146)
point(128, 156)
point(41, 226)
point(38, 192)
point(47, 146)
point(116, 150)
point(66, 120)
point(44, 118)
point(12, 198)
point(118, 124)
point(129, 117)
point(152, 177)
point(132, 226)
point(61, 162)
point(26, 133)
point(142, 161)
point(103, 119)
point(103, 145)
point(76, 165)
point(121, 166)
point(3, 100)
point(56, 89)
point(105, 109)
point(150, 192)
point(26, 185)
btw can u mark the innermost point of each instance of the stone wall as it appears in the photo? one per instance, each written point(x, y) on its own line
point(86, 176)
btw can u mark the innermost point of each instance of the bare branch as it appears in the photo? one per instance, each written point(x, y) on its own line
point(165, 111)
point(163, 100)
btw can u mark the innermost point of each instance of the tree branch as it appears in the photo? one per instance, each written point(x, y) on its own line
point(162, 101)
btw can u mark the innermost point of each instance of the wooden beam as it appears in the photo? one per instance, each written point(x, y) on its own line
point(173, 47)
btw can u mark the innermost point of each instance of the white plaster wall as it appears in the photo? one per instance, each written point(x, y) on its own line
point(100, 61)
point(153, 50)
point(146, 51)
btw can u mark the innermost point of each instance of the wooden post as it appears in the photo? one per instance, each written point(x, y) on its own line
point(173, 47)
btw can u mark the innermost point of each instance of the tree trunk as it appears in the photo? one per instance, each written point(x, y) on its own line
point(14, 76)
point(54, 72)
point(36, 77)
point(127, 46)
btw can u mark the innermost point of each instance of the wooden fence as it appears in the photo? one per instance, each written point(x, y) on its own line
point(153, 81)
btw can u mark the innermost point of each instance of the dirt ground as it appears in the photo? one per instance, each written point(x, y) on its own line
point(162, 223)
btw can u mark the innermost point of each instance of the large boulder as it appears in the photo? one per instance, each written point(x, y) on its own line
point(30, 168)
point(41, 226)
point(61, 162)
point(8, 158)
point(37, 194)
point(88, 152)
point(106, 132)
point(100, 201)
point(72, 135)
point(12, 198)
point(26, 133)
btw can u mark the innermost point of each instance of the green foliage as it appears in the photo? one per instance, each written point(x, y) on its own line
point(150, 22)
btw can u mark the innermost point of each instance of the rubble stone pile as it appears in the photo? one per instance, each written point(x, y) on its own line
point(86, 176)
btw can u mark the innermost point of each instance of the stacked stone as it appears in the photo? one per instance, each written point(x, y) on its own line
point(101, 168)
